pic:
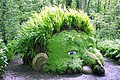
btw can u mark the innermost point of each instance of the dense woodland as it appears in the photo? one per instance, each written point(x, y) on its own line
point(104, 16)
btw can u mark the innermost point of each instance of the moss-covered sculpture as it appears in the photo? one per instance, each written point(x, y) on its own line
point(60, 40)
point(69, 51)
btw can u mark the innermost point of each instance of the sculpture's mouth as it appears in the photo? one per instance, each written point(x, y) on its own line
point(65, 66)
point(72, 67)
point(76, 66)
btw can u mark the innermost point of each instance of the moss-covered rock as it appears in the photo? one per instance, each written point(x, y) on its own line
point(69, 51)
point(65, 35)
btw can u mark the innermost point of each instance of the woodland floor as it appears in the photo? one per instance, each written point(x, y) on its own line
point(17, 71)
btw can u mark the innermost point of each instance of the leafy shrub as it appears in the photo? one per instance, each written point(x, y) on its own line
point(11, 49)
point(43, 25)
point(3, 58)
point(111, 48)
point(107, 24)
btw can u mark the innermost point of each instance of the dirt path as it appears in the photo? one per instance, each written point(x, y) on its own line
point(17, 71)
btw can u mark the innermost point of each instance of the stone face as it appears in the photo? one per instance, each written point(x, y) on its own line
point(87, 70)
point(69, 50)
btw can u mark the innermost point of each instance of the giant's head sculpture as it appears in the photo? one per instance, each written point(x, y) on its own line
point(63, 42)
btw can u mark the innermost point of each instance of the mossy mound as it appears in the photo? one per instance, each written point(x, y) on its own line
point(60, 33)
point(69, 51)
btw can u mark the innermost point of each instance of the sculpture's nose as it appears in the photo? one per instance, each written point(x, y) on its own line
point(99, 70)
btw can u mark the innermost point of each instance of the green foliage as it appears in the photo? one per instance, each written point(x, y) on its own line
point(60, 47)
point(107, 23)
point(11, 49)
point(107, 20)
point(106, 29)
point(110, 48)
point(54, 18)
point(50, 20)
point(14, 13)
point(3, 58)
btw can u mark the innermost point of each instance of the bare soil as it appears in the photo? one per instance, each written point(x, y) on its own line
point(17, 71)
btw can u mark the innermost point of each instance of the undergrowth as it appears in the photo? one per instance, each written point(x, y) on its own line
point(110, 48)
point(3, 58)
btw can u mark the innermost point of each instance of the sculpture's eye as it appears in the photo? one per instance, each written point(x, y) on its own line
point(90, 48)
point(72, 52)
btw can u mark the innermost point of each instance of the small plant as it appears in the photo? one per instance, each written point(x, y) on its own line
point(11, 49)
point(110, 48)
point(3, 58)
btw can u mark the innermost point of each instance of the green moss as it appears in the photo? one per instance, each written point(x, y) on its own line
point(61, 44)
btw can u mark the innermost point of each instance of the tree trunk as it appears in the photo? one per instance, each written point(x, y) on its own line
point(58, 2)
point(52, 2)
point(78, 4)
point(88, 6)
point(85, 5)
point(68, 3)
